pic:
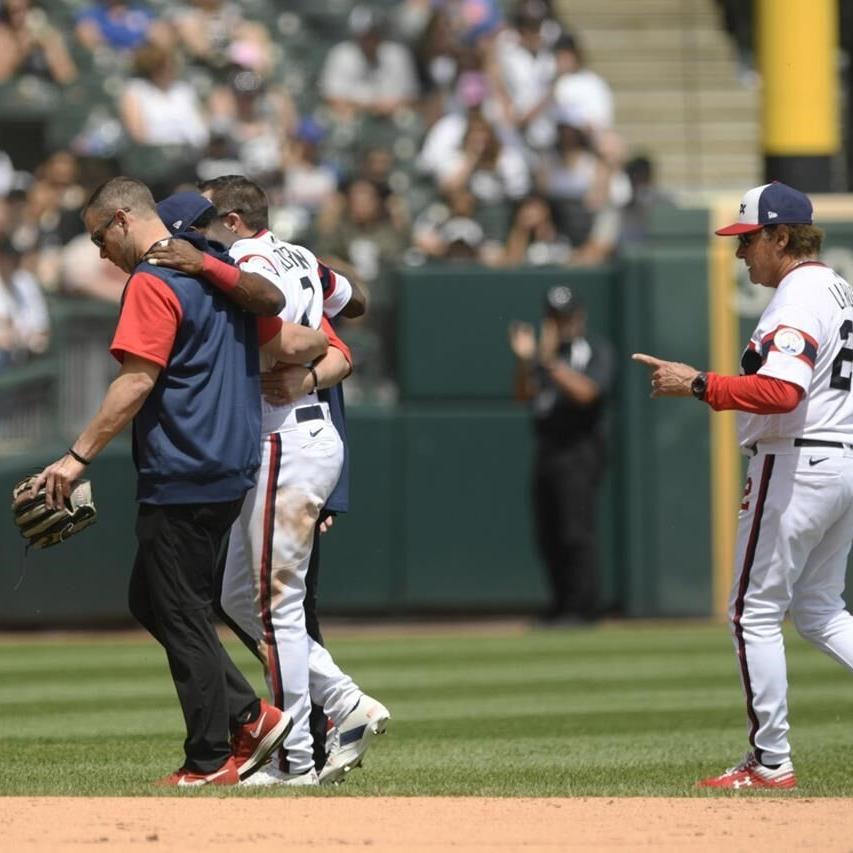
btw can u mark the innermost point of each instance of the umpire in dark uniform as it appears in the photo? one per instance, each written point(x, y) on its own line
point(567, 377)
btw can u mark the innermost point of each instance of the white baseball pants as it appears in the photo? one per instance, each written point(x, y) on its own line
point(330, 687)
point(263, 587)
point(794, 535)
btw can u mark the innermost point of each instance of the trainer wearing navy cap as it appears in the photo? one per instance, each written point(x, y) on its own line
point(795, 423)
point(567, 377)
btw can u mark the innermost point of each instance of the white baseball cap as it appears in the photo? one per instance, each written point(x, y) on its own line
point(770, 204)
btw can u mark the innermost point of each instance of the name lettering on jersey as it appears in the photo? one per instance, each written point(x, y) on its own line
point(290, 257)
point(842, 293)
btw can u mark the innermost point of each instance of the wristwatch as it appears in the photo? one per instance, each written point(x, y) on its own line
point(699, 386)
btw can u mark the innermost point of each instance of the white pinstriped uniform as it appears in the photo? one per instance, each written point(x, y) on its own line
point(263, 587)
point(796, 521)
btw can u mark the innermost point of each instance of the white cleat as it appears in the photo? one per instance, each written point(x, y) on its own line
point(269, 775)
point(349, 741)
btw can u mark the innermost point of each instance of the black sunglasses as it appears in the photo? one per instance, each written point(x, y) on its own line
point(743, 240)
point(98, 235)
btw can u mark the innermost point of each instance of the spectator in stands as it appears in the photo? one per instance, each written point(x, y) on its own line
point(309, 181)
point(363, 235)
point(27, 326)
point(574, 179)
point(579, 92)
point(216, 34)
point(587, 188)
point(255, 116)
point(60, 172)
point(156, 107)
point(30, 45)
point(646, 197)
point(119, 26)
point(443, 221)
point(368, 75)
point(35, 231)
point(437, 61)
point(221, 157)
point(462, 241)
point(524, 70)
point(534, 237)
point(476, 21)
point(494, 171)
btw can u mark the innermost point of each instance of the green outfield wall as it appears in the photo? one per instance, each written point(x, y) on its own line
point(440, 518)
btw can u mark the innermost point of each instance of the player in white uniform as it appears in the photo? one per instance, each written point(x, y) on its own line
point(263, 588)
point(795, 421)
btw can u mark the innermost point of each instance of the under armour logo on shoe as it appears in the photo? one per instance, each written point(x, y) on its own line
point(742, 783)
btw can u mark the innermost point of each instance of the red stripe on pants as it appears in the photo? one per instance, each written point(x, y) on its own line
point(266, 570)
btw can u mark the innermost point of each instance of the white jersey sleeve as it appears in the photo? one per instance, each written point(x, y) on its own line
point(805, 336)
point(337, 290)
point(787, 338)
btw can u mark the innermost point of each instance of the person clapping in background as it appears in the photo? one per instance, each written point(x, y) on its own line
point(566, 376)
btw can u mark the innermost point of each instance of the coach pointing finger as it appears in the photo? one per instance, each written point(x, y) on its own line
point(668, 378)
point(795, 423)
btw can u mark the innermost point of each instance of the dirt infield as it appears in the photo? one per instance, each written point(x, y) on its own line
point(753, 824)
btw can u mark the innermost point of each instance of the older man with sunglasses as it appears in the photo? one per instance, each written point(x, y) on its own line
point(795, 423)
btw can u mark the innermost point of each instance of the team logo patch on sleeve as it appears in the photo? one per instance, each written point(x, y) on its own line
point(789, 341)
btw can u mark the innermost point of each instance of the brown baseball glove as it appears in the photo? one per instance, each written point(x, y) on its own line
point(43, 527)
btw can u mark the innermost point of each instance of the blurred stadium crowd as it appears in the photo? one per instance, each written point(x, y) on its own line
point(388, 133)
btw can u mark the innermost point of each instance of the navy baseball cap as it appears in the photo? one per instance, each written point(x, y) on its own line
point(180, 210)
point(770, 204)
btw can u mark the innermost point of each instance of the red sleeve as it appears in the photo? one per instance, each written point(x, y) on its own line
point(219, 273)
point(149, 320)
point(760, 395)
point(334, 340)
point(268, 328)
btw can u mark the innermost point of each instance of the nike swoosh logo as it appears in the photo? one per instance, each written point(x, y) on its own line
point(818, 461)
point(183, 783)
point(316, 432)
point(257, 730)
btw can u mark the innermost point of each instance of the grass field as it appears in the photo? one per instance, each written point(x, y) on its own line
point(619, 710)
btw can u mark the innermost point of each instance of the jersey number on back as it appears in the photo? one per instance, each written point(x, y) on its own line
point(307, 285)
point(842, 366)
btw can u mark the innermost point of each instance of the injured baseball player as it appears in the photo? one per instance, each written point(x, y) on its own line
point(264, 582)
point(795, 425)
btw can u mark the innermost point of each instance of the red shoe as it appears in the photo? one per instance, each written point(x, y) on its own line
point(226, 775)
point(254, 742)
point(751, 774)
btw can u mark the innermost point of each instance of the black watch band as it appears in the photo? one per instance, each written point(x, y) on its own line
point(699, 386)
